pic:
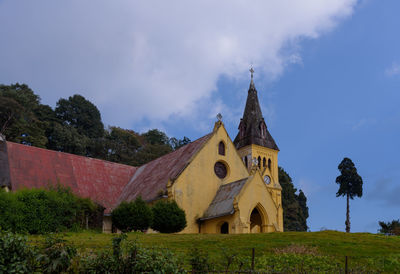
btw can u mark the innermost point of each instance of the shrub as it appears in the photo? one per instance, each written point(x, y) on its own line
point(16, 256)
point(41, 211)
point(130, 257)
point(56, 255)
point(135, 215)
point(168, 217)
point(199, 261)
point(390, 228)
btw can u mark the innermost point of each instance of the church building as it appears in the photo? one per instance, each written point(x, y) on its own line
point(223, 186)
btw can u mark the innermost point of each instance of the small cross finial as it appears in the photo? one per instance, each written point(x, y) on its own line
point(251, 71)
point(219, 117)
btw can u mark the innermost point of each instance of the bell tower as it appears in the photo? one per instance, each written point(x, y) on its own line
point(254, 142)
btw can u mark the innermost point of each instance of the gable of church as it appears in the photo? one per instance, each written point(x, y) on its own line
point(195, 188)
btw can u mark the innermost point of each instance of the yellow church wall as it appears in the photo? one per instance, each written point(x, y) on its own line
point(213, 226)
point(255, 194)
point(196, 187)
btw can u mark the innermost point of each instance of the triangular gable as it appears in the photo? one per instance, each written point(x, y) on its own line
point(150, 180)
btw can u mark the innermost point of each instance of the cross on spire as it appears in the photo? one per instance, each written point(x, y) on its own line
point(251, 71)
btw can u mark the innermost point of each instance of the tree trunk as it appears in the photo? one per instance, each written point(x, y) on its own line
point(348, 215)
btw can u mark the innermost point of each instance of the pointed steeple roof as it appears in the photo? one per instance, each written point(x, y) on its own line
point(252, 127)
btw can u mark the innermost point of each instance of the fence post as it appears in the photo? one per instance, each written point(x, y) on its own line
point(252, 258)
point(346, 269)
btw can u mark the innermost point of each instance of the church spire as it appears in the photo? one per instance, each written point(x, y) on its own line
point(252, 127)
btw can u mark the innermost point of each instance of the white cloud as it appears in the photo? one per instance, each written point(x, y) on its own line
point(393, 70)
point(151, 59)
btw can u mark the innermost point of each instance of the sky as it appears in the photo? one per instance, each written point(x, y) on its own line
point(327, 75)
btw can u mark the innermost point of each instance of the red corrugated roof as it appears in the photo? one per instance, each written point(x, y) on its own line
point(153, 177)
point(102, 181)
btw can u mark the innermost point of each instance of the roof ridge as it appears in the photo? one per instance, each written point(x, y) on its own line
point(67, 153)
point(175, 151)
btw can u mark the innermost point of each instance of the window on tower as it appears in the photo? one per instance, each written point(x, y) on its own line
point(264, 162)
point(269, 164)
point(259, 161)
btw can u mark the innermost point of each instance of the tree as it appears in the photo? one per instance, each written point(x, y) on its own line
point(80, 114)
point(168, 217)
point(149, 152)
point(135, 215)
point(295, 210)
point(350, 185)
point(121, 145)
point(18, 105)
point(156, 137)
point(175, 143)
point(390, 228)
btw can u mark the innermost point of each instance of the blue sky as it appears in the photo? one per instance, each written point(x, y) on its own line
point(328, 77)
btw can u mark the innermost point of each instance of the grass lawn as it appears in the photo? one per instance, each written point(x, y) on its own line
point(330, 243)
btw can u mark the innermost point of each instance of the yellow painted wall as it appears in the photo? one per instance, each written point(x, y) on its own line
point(253, 151)
point(196, 187)
point(256, 194)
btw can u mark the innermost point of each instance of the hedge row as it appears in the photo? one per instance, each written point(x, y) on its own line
point(37, 211)
point(164, 216)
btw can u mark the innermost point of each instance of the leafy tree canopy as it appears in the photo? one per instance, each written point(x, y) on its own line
point(390, 228)
point(17, 115)
point(350, 183)
point(81, 114)
point(156, 137)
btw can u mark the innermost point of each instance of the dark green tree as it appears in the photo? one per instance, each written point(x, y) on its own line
point(350, 185)
point(121, 145)
point(295, 210)
point(10, 111)
point(150, 152)
point(156, 137)
point(81, 114)
point(135, 215)
point(168, 217)
point(18, 115)
point(390, 228)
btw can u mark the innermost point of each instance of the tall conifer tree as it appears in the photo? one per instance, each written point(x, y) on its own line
point(350, 185)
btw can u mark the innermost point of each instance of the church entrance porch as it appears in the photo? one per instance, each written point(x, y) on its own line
point(256, 224)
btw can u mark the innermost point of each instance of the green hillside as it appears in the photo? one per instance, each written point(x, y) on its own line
point(364, 250)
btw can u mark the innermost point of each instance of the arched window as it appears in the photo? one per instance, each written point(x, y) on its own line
point(264, 162)
point(246, 161)
point(225, 228)
point(269, 163)
point(221, 148)
point(259, 161)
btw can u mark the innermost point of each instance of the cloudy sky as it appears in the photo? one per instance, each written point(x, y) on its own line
point(327, 73)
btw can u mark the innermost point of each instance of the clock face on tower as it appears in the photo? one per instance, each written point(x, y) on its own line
point(267, 179)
